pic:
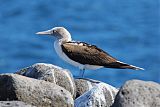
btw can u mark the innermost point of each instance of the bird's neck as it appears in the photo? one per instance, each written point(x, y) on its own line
point(64, 39)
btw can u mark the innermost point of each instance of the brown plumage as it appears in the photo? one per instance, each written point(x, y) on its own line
point(84, 53)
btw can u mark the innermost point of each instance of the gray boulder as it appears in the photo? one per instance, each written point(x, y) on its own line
point(35, 92)
point(83, 85)
point(137, 93)
point(14, 104)
point(51, 73)
point(101, 95)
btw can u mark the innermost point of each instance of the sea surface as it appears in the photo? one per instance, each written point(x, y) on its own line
point(129, 30)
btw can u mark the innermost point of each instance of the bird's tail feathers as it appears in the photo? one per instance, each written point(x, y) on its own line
point(122, 65)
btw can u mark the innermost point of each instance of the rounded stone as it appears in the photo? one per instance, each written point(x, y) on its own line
point(51, 73)
point(137, 93)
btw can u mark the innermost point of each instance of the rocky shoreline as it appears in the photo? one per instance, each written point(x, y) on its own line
point(47, 85)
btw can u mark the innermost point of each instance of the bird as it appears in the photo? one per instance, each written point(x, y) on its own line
point(81, 54)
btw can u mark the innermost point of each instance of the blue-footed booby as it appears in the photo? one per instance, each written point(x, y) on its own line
point(81, 54)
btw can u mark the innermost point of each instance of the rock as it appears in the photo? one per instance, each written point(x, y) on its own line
point(35, 92)
point(137, 93)
point(51, 73)
point(101, 95)
point(14, 104)
point(83, 85)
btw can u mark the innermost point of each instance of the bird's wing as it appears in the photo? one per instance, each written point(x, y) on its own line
point(87, 54)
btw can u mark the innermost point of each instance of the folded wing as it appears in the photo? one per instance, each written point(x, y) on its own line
point(84, 53)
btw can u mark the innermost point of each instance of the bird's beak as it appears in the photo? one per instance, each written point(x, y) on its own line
point(48, 32)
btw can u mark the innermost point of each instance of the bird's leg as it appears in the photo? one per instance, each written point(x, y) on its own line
point(81, 74)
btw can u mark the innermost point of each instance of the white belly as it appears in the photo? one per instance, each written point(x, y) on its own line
point(58, 49)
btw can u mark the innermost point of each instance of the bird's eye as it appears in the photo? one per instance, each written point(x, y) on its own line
point(54, 31)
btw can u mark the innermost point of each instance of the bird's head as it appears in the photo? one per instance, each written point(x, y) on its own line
point(58, 32)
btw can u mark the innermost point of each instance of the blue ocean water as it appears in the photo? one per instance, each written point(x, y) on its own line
point(128, 30)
